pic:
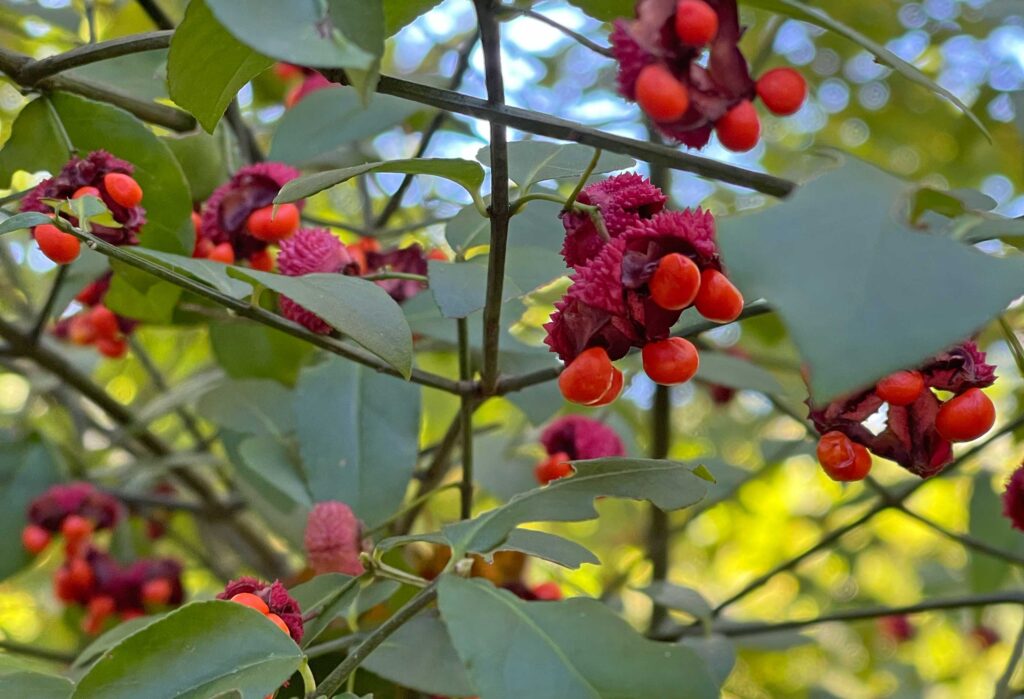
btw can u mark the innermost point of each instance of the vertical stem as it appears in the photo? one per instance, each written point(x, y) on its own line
point(61, 131)
point(657, 528)
point(51, 300)
point(1003, 686)
point(490, 39)
point(466, 422)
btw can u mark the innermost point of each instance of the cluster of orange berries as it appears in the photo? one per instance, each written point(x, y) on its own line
point(98, 326)
point(248, 599)
point(263, 224)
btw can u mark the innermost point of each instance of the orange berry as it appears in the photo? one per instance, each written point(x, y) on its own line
point(86, 192)
point(123, 189)
point(197, 222)
point(900, 388)
point(99, 609)
point(554, 467)
point(548, 592)
point(437, 254)
point(660, 94)
point(250, 600)
point(81, 331)
point(63, 588)
point(676, 282)
point(696, 22)
point(34, 538)
point(279, 623)
point(157, 592)
point(76, 528)
point(842, 458)
point(222, 253)
point(63, 248)
point(613, 391)
point(262, 260)
point(740, 128)
point(112, 348)
point(104, 322)
point(670, 361)
point(80, 573)
point(587, 378)
point(718, 299)
point(782, 90)
point(270, 226)
point(966, 417)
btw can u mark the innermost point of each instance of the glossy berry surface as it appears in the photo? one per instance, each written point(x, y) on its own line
point(901, 387)
point(587, 379)
point(111, 348)
point(123, 189)
point(104, 322)
point(269, 226)
point(76, 528)
point(63, 248)
point(34, 538)
point(222, 253)
point(670, 361)
point(783, 91)
point(261, 260)
point(966, 417)
point(843, 459)
point(250, 600)
point(279, 623)
point(613, 391)
point(675, 283)
point(660, 94)
point(554, 467)
point(740, 128)
point(696, 22)
point(718, 299)
point(86, 192)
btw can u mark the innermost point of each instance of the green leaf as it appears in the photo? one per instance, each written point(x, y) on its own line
point(865, 278)
point(549, 547)
point(606, 10)
point(142, 75)
point(399, 13)
point(201, 158)
point(362, 21)
point(200, 650)
point(726, 370)
point(324, 595)
point(679, 598)
point(467, 173)
point(817, 16)
point(296, 32)
point(36, 686)
point(669, 485)
point(251, 350)
point(420, 655)
point(358, 436)
point(34, 144)
point(530, 162)
point(250, 406)
point(329, 119)
point(717, 652)
point(536, 225)
point(214, 274)
point(111, 638)
point(26, 470)
point(358, 308)
point(575, 649)
point(18, 222)
point(278, 473)
point(139, 295)
point(987, 523)
point(206, 66)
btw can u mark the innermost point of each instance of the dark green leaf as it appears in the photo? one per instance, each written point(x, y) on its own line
point(726, 370)
point(251, 350)
point(206, 66)
point(536, 225)
point(360, 309)
point(229, 647)
point(530, 162)
point(866, 278)
point(35, 143)
point(201, 157)
point(669, 485)
point(29, 219)
point(606, 10)
point(111, 638)
point(548, 547)
point(296, 32)
point(323, 594)
point(398, 13)
point(987, 523)
point(679, 598)
point(358, 435)
point(576, 649)
point(26, 470)
point(35, 685)
point(214, 274)
point(272, 462)
point(142, 75)
point(250, 406)
point(328, 119)
point(139, 295)
point(717, 652)
point(420, 655)
point(362, 21)
point(467, 173)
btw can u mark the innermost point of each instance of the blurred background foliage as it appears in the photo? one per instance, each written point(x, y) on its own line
point(775, 502)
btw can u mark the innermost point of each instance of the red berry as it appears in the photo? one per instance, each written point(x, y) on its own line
point(675, 282)
point(270, 226)
point(437, 254)
point(197, 222)
point(62, 586)
point(80, 574)
point(660, 94)
point(554, 467)
point(739, 128)
point(783, 90)
point(842, 458)
point(86, 192)
point(966, 417)
point(34, 538)
point(900, 388)
point(63, 248)
point(547, 592)
point(670, 361)
point(222, 253)
point(81, 331)
point(99, 609)
point(76, 528)
point(261, 260)
point(123, 189)
point(157, 592)
point(104, 322)
point(718, 299)
point(696, 22)
point(587, 379)
point(112, 348)
point(250, 600)
point(279, 623)
point(613, 391)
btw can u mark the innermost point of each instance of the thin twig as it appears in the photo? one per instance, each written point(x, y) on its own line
point(435, 472)
point(657, 528)
point(574, 35)
point(36, 651)
point(965, 540)
point(1003, 690)
point(466, 421)
point(51, 301)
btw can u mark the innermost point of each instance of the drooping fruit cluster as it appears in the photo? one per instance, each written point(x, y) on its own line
point(99, 175)
point(95, 324)
point(317, 250)
point(661, 67)
point(920, 427)
point(637, 268)
point(572, 438)
point(88, 576)
point(1013, 499)
point(270, 599)
point(333, 539)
